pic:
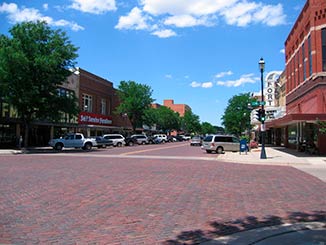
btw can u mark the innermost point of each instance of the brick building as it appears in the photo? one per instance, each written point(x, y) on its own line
point(305, 55)
point(97, 101)
point(180, 108)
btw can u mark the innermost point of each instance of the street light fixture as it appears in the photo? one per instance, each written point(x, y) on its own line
point(262, 129)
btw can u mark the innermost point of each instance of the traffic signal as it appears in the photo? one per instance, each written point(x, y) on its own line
point(263, 116)
point(258, 114)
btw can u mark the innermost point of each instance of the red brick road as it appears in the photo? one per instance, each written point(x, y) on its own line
point(96, 200)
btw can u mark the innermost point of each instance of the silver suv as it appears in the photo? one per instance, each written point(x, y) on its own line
point(220, 143)
point(118, 139)
point(140, 138)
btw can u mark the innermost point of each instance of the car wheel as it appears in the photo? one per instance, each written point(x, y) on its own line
point(119, 144)
point(58, 146)
point(131, 143)
point(208, 151)
point(219, 150)
point(88, 147)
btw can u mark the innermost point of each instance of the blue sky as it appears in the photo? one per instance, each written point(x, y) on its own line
point(199, 53)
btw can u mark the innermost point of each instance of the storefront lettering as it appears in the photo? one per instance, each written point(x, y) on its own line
point(94, 119)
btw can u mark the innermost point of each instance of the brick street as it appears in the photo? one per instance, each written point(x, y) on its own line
point(78, 199)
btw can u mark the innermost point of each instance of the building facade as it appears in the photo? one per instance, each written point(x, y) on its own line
point(179, 108)
point(97, 100)
point(305, 73)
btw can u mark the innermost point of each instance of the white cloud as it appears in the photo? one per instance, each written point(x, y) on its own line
point(168, 15)
point(247, 78)
point(187, 21)
point(223, 74)
point(164, 33)
point(168, 76)
point(45, 6)
point(94, 6)
point(195, 84)
point(135, 20)
point(15, 14)
point(282, 51)
point(207, 85)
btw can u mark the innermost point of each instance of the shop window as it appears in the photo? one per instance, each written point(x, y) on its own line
point(323, 40)
point(87, 103)
point(292, 137)
point(103, 106)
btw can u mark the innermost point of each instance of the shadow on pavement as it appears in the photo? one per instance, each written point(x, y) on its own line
point(243, 224)
point(296, 153)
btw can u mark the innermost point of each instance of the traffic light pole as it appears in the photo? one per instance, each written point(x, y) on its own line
point(262, 129)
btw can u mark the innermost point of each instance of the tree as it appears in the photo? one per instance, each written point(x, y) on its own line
point(207, 128)
point(190, 122)
point(34, 61)
point(236, 118)
point(135, 99)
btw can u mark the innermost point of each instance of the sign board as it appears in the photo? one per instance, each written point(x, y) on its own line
point(94, 119)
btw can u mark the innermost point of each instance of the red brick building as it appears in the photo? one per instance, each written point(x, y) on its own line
point(180, 108)
point(305, 55)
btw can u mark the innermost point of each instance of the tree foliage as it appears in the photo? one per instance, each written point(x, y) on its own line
point(190, 122)
point(207, 128)
point(166, 119)
point(34, 61)
point(236, 118)
point(135, 100)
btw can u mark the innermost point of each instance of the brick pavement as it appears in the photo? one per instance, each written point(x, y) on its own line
point(82, 200)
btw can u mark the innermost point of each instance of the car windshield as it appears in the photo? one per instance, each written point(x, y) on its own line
point(208, 138)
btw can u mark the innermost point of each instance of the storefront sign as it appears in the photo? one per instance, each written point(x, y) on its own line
point(271, 78)
point(94, 119)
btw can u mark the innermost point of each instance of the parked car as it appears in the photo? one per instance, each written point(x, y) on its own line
point(220, 143)
point(118, 139)
point(163, 137)
point(140, 138)
point(196, 140)
point(154, 140)
point(180, 137)
point(130, 141)
point(102, 142)
point(171, 138)
point(76, 140)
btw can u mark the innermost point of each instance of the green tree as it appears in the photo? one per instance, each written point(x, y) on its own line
point(236, 118)
point(163, 118)
point(207, 128)
point(34, 61)
point(190, 122)
point(135, 100)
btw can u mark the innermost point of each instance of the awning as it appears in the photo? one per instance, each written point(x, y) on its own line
point(294, 118)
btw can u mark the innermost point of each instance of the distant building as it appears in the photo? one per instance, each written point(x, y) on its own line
point(179, 108)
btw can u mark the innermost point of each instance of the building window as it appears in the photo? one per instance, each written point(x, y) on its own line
point(87, 103)
point(310, 55)
point(103, 106)
point(303, 63)
point(323, 41)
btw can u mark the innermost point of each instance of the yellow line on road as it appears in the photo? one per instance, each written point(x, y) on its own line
point(155, 149)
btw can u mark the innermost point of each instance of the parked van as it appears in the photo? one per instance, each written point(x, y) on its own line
point(220, 143)
point(118, 139)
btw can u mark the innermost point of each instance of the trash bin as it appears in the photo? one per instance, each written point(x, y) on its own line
point(243, 146)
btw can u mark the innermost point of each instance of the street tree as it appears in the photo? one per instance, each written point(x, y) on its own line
point(34, 61)
point(236, 118)
point(135, 100)
point(190, 122)
point(207, 128)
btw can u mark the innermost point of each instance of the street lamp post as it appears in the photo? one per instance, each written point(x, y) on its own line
point(262, 129)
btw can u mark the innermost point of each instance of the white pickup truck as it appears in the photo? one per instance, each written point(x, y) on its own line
point(76, 140)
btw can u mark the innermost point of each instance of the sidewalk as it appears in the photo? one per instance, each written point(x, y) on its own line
point(311, 164)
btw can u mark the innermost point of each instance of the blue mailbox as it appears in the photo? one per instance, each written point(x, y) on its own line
point(243, 146)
